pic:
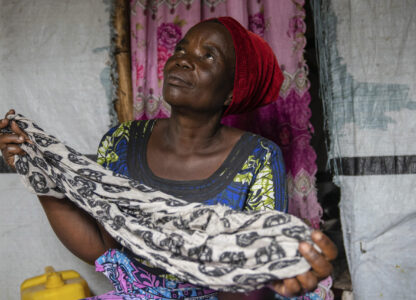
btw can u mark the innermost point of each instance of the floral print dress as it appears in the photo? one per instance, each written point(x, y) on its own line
point(251, 178)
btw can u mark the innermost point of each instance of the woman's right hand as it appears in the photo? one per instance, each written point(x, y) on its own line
point(10, 142)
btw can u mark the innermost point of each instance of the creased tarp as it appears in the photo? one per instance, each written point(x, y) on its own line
point(367, 63)
point(54, 60)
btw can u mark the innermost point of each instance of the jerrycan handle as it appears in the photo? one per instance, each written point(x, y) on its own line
point(53, 279)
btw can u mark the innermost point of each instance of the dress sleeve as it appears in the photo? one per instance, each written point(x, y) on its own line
point(112, 145)
point(104, 148)
point(269, 190)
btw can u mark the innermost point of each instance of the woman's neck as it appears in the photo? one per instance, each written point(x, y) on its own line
point(182, 148)
point(193, 134)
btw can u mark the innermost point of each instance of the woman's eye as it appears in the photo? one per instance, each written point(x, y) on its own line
point(179, 49)
point(209, 56)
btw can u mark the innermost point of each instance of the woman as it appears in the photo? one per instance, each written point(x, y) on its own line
point(218, 68)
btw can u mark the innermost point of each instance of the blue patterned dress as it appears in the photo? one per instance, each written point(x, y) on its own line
point(251, 178)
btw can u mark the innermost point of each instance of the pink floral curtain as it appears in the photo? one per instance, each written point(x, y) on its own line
point(156, 27)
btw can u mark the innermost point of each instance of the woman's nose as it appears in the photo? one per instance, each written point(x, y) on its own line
point(184, 62)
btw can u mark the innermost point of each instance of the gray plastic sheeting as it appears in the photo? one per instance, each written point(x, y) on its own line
point(367, 71)
point(54, 67)
point(54, 64)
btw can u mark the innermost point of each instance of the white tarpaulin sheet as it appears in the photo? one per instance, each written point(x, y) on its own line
point(54, 67)
point(367, 54)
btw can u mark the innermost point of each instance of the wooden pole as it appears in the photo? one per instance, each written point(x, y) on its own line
point(124, 103)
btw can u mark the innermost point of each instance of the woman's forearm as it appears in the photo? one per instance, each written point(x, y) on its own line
point(77, 230)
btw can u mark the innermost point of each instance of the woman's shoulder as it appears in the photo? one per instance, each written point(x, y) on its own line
point(123, 129)
point(119, 129)
point(246, 137)
point(113, 148)
point(262, 146)
point(118, 137)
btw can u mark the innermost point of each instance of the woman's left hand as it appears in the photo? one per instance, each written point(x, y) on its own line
point(320, 267)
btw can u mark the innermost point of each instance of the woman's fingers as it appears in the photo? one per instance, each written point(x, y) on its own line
point(10, 142)
point(17, 130)
point(10, 139)
point(9, 160)
point(9, 151)
point(5, 122)
point(308, 281)
point(319, 264)
point(291, 287)
point(329, 250)
point(288, 287)
point(13, 149)
point(10, 112)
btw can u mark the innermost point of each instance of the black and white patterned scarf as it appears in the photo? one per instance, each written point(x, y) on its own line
point(213, 246)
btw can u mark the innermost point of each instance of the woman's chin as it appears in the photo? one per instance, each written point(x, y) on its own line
point(174, 96)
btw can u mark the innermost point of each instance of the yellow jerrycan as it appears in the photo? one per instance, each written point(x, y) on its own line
point(63, 285)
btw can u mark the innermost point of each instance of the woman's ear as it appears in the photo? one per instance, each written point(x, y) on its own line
point(229, 99)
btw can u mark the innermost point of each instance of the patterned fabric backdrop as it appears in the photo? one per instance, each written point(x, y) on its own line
point(156, 27)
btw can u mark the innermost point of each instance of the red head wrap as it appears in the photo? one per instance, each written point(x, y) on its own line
point(258, 77)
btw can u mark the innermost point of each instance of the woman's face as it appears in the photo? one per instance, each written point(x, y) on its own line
point(198, 77)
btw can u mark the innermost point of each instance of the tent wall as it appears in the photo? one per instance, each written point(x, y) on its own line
point(54, 68)
point(367, 74)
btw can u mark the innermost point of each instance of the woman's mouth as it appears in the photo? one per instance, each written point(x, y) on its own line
point(178, 81)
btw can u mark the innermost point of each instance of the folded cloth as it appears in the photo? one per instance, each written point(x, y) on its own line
point(212, 246)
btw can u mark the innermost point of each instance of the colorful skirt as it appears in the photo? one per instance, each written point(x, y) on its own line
point(131, 282)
